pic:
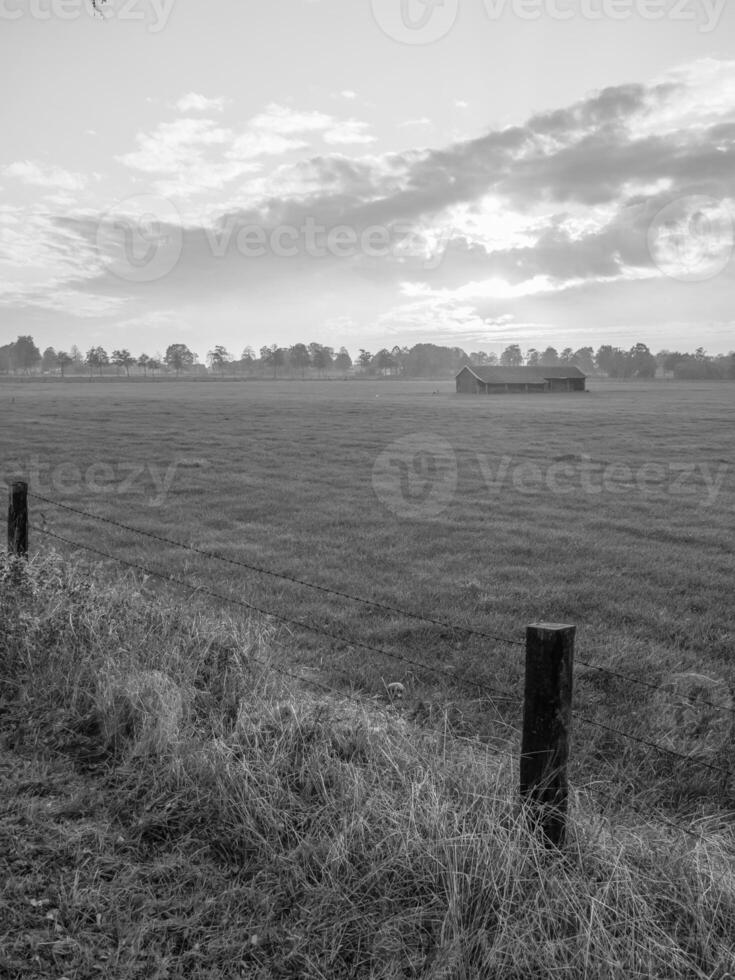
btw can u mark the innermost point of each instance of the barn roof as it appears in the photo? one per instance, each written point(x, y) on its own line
point(513, 375)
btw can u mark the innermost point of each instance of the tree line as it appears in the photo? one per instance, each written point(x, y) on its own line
point(317, 360)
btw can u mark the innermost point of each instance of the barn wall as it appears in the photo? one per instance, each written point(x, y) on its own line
point(467, 383)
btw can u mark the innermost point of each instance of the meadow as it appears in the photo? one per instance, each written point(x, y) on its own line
point(181, 798)
point(611, 510)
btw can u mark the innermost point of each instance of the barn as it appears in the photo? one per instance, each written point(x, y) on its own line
point(499, 380)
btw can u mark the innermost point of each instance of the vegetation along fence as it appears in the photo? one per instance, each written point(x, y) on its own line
point(549, 651)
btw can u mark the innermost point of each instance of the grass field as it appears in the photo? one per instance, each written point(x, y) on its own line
point(174, 805)
point(171, 806)
point(612, 510)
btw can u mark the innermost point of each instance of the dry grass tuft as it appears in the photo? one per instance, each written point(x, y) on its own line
point(173, 808)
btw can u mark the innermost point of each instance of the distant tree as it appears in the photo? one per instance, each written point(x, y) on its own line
point(533, 357)
point(122, 359)
point(432, 361)
point(566, 356)
point(670, 359)
point(178, 357)
point(479, 358)
point(154, 365)
point(219, 358)
point(25, 354)
point(274, 357)
point(584, 359)
point(300, 357)
point(48, 360)
point(512, 356)
point(400, 357)
point(77, 357)
point(64, 360)
point(321, 357)
point(642, 361)
point(98, 358)
point(384, 361)
point(144, 362)
point(6, 358)
point(605, 359)
point(613, 362)
point(365, 359)
point(550, 357)
point(343, 361)
point(247, 359)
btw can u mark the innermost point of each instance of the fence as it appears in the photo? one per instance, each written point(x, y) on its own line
point(549, 660)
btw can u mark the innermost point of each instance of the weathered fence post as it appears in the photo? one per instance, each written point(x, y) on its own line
point(18, 520)
point(547, 719)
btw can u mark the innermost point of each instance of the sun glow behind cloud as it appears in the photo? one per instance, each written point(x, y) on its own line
point(500, 231)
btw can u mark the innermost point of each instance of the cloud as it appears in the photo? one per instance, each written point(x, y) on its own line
point(285, 121)
point(348, 131)
point(521, 222)
point(193, 102)
point(180, 152)
point(40, 175)
point(196, 154)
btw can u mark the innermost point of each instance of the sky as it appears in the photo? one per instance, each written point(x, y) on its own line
point(368, 173)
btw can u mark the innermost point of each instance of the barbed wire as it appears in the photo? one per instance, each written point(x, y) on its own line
point(653, 745)
point(387, 607)
point(655, 687)
point(369, 602)
point(299, 624)
point(360, 701)
point(672, 824)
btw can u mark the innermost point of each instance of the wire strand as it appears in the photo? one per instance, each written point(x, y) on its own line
point(654, 745)
point(265, 612)
point(656, 687)
point(280, 575)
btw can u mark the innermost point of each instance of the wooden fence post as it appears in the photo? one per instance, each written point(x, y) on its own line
point(547, 719)
point(18, 520)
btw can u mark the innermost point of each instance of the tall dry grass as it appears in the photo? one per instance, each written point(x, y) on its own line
point(299, 835)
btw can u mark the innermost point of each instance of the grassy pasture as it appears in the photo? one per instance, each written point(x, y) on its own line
point(281, 474)
point(172, 807)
